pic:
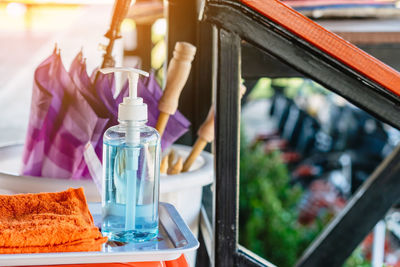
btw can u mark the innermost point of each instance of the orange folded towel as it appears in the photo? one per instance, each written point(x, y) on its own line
point(47, 222)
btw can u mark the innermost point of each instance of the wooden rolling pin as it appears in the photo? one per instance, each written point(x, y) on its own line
point(164, 165)
point(205, 135)
point(176, 168)
point(178, 72)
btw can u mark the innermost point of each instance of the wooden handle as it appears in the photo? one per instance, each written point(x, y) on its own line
point(164, 165)
point(177, 168)
point(171, 158)
point(162, 123)
point(178, 72)
point(206, 130)
point(206, 134)
point(242, 91)
point(196, 150)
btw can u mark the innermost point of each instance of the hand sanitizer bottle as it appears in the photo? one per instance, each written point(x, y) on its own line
point(131, 170)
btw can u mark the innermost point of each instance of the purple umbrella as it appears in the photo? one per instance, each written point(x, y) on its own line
point(61, 123)
point(46, 103)
point(83, 82)
point(68, 112)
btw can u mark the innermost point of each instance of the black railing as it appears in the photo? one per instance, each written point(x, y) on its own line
point(236, 23)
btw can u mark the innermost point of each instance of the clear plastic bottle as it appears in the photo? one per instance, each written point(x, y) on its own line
point(131, 170)
point(141, 183)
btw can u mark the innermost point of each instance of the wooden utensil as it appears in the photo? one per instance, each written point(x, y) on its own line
point(178, 72)
point(164, 165)
point(171, 157)
point(205, 135)
point(177, 168)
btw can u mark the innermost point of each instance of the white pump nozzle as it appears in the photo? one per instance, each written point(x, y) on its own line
point(132, 108)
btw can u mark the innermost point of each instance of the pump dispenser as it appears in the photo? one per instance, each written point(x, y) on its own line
point(131, 158)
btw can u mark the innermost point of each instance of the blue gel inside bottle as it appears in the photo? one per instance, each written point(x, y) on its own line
point(130, 184)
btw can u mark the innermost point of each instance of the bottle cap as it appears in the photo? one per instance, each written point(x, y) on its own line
point(132, 107)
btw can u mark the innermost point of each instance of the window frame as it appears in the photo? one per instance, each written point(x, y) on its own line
point(235, 23)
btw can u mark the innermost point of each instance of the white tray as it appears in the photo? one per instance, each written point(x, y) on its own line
point(173, 240)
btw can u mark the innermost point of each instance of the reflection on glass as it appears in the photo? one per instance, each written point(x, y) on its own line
point(304, 152)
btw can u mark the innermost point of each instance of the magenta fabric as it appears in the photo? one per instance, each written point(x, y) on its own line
point(43, 107)
point(68, 111)
point(61, 123)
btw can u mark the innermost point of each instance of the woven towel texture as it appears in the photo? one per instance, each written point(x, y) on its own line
point(47, 222)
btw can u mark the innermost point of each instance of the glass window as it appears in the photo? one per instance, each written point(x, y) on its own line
point(304, 152)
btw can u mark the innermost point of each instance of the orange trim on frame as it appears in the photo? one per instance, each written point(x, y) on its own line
point(328, 42)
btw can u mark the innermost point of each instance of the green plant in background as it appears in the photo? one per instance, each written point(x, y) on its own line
point(293, 87)
point(262, 89)
point(268, 208)
point(268, 211)
point(357, 259)
point(268, 203)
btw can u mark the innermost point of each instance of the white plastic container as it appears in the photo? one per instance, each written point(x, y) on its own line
point(184, 190)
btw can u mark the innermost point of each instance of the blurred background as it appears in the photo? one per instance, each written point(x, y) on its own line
point(304, 150)
point(305, 156)
point(29, 31)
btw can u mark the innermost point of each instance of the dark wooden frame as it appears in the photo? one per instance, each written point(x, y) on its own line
point(184, 26)
point(226, 147)
point(236, 22)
